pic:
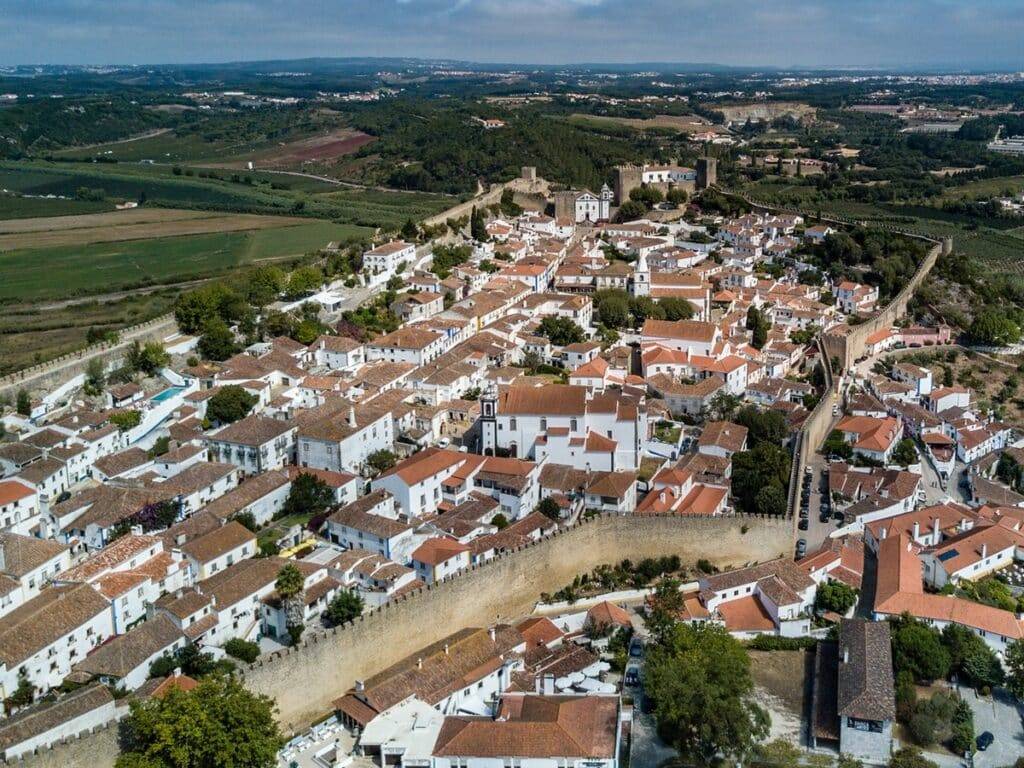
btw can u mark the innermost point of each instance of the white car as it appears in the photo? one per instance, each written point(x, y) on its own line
point(444, 442)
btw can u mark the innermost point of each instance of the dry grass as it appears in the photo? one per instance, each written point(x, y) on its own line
point(120, 226)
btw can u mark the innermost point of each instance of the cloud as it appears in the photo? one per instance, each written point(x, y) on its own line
point(743, 32)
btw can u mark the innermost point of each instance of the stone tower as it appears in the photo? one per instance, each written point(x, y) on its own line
point(627, 178)
point(707, 172)
point(565, 205)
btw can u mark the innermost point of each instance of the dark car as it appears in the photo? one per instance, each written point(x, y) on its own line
point(985, 740)
point(823, 518)
point(632, 676)
point(803, 524)
point(801, 547)
point(636, 647)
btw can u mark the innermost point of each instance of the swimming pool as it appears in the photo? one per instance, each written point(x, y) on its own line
point(167, 394)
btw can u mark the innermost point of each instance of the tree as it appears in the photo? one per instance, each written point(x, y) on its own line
point(410, 231)
point(289, 586)
point(836, 444)
point(646, 195)
point(643, 307)
point(243, 650)
point(499, 521)
point(676, 309)
point(218, 723)
point(752, 471)
point(918, 649)
point(345, 606)
point(95, 377)
point(217, 341)
point(763, 426)
point(993, 328)
point(676, 196)
point(1014, 660)
point(770, 500)
point(836, 596)
point(381, 460)
point(309, 495)
point(663, 610)
point(758, 326)
point(509, 206)
point(230, 404)
point(549, 508)
point(125, 420)
point(248, 520)
point(905, 453)
point(265, 285)
point(561, 331)
point(612, 308)
point(704, 702)
point(477, 226)
point(304, 281)
point(23, 403)
point(630, 210)
point(147, 359)
point(161, 446)
point(22, 696)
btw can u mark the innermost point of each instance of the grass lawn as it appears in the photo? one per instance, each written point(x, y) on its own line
point(101, 267)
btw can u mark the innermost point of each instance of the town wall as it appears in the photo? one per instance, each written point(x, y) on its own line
point(55, 372)
point(529, 186)
point(304, 681)
point(98, 749)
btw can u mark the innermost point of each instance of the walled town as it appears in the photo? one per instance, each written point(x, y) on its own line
point(215, 501)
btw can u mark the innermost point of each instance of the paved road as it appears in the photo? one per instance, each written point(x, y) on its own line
point(1000, 715)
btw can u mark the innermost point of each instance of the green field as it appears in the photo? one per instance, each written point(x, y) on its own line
point(12, 207)
point(249, 192)
point(103, 267)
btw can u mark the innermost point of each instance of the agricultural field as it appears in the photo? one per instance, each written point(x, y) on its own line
point(675, 123)
point(15, 207)
point(30, 335)
point(112, 266)
point(137, 224)
point(326, 148)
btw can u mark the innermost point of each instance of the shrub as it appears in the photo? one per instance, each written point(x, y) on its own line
point(242, 650)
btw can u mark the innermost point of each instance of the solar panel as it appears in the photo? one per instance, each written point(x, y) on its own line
point(947, 555)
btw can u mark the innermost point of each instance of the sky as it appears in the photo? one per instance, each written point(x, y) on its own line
point(950, 34)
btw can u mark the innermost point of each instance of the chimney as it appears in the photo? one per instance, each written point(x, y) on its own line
point(360, 686)
point(177, 672)
point(846, 655)
point(984, 550)
point(885, 532)
point(492, 634)
point(419, 663)
point(548, 684)
point(3, 559)
point(446, 649)
point(917, 530)
point(935, 530)
point(352, 416)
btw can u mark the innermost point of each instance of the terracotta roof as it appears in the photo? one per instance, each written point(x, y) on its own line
point(23, 554)
point(212, 545)
point(12, 490)
point(865, 685)
point(723, 434)
point(441, 668)
point(46, 618)
point(124, 653)
point(46, 716)
point(438, 550)
point(252, 430)
point(557, 399)
point(606, 613)
point(531, 726)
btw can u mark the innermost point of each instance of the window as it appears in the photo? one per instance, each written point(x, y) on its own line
point(512, 423)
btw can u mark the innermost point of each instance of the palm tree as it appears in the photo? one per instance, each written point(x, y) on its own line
point(289, 587)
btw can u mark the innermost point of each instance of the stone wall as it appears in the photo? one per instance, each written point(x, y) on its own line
point(55, 372)
point(305, 680)
point(98, 749)
point(493, 195)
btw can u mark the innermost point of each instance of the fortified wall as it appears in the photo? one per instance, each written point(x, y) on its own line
point(305, 680)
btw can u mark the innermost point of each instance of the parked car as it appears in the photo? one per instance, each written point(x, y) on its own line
point(632, 676)
point(804, 513)
point(801, 547)
point(985, 740)
point(823, 518)
point(804, 524)
point(636, 647)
